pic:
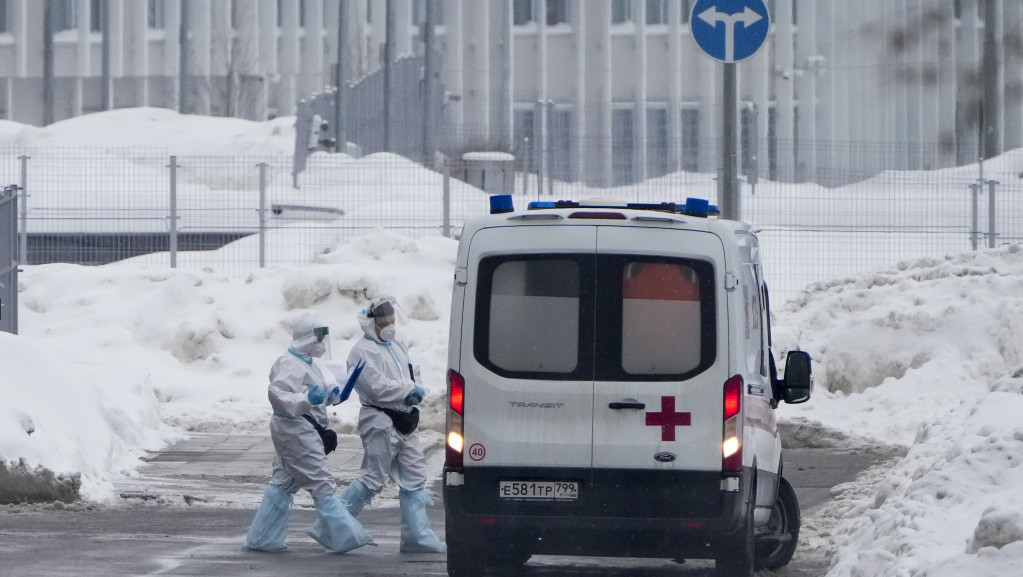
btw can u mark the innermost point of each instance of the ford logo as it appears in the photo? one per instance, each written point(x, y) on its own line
point(664, 457)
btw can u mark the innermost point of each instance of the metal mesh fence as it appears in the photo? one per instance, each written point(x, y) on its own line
point(95, 206)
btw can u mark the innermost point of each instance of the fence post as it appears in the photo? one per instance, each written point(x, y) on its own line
point(174, 211)
point(447, 197)
point(537, 156)
point(549, 151)
point(974, 215)
point(23, 253)
point(9, 259)
point(526, 153)
point(992, 184)
point(262, 214)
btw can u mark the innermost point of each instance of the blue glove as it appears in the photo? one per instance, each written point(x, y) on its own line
point(416, 396)
point(316, 395)
point(334, 396)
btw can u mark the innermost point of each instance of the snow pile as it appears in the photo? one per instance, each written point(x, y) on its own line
point(159, 127)
point(927, 355)
point(57, 415)
point(112, 360)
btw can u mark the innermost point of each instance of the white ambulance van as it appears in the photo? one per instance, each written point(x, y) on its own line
point(612, 390)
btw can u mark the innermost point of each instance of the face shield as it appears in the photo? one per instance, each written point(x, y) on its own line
point(313, 342)
point(322, 344)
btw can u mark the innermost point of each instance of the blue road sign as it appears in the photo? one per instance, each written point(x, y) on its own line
point(730, 30)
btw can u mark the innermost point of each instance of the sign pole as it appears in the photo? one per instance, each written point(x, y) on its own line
point(729, 199)
point(730, 31)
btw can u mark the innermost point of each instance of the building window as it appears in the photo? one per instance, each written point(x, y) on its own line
point(622, 147)
point(557, 12)
point(657, 11)
point(524, 12)
point(65, 15)
point(657, 142)
point(96, 16)
point(4, 25)
point(621, 11)
point(690, 138)
point(560, 165)
point(687, 7)
point(524, 127)
point(157, 14)
point(419, 12)
point(771, 170)
point(301, 13)
point(749, 142)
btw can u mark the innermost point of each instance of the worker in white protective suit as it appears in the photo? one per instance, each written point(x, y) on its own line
point(302, 384)
point(389, 393)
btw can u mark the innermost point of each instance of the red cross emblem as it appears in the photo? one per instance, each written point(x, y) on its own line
point(668, 419)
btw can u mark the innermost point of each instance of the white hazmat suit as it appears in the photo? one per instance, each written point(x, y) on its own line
point(388, 382)
point(302, 384)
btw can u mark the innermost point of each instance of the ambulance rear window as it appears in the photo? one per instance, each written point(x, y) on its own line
point(601, 317)
point(656, 318)
point(661, 318)
point(528, 315)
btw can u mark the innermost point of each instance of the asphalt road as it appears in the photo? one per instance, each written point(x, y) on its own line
point(187, 513)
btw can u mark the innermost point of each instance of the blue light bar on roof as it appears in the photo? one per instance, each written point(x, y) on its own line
point(501, 203)
point(696, 207)
point(539, 204)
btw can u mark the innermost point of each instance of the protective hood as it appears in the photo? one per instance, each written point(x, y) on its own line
point(310, 337)
point(368, 326)
point(381, 307)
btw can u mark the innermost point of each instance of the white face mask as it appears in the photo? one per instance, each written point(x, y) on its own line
point(387, 333)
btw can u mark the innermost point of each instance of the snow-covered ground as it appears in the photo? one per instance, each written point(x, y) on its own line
point(923, 355)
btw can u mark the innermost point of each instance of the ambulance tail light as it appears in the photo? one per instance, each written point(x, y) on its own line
point(456, 404)
point(731, 446)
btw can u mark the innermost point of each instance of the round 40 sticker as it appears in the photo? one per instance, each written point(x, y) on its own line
point(477, 452)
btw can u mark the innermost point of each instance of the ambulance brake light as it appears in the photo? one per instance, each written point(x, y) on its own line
point(456, 393)
point(731, 445)
point(456, 403)
point(733, 396)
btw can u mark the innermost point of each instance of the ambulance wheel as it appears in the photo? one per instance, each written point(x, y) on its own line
point(466, 557)
point(777, 544)
point(735, 556)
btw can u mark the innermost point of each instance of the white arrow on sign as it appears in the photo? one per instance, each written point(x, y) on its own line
point(747, 17)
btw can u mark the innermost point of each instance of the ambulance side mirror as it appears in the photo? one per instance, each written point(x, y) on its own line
point(798, 381)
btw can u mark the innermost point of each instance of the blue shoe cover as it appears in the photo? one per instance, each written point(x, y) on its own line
point(270, 526)
point(416, 534)
point(335, 528)
point(356, 496)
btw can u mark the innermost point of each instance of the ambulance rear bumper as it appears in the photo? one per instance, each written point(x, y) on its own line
point(626, 513)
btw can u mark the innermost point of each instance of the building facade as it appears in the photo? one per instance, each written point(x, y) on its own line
point(606, 91)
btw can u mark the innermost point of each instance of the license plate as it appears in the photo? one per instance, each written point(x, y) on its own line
point(539, 490)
